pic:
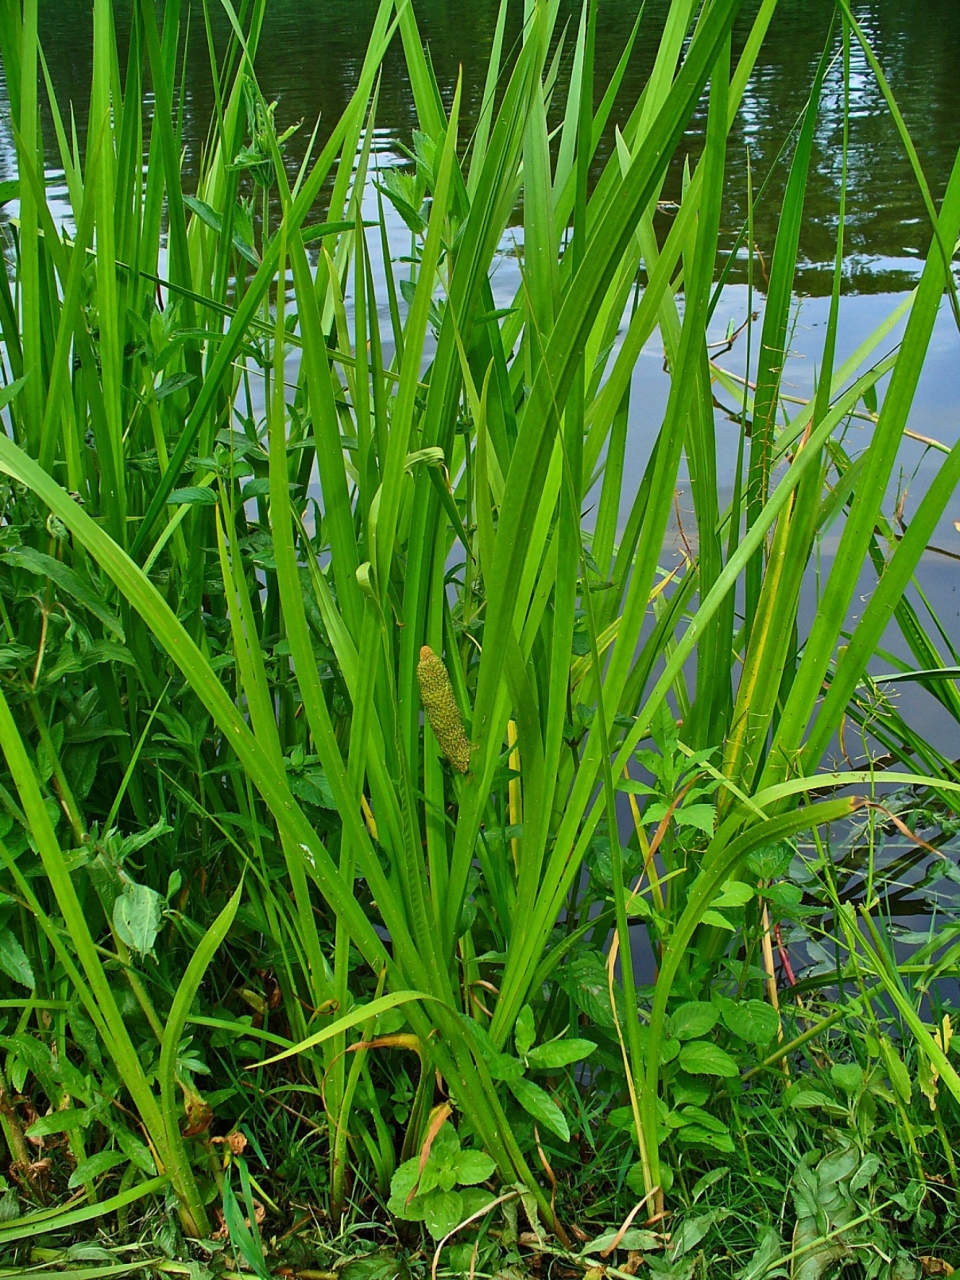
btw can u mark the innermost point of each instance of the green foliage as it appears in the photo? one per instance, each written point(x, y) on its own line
point(441, 1191)
point(259, 915)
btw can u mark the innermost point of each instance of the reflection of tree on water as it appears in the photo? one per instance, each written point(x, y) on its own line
point(309, 55)
point(918, 45)
point(8, 160)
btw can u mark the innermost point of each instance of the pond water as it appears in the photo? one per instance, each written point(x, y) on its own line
point(308, 59)
point(310, 52)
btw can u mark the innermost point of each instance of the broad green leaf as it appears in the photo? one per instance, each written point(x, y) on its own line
point(138, 917)
point(193, 494)
point(174, 383)
point(634, 1239)
point(64, 1121)
point(204, 212)
point(137, 1152)
point(870, 1166)
point(94, 1166)
point(733, 894)
point(847, 1076)
point(702, 1136)
point(701, 816)
point(67, 579)
point(473, 1167)
point(585, 981)
point(692, 1231)
point(785, 895)
point(636, 1179)
point(837, 1166)
point(702, 1058)
point(559, 1053)
point(525, 1031)
point(696, 1115)
point(442, 1211)
point(13, 959)
point(473, 1200)
point(897, 1071)
point(811, 1099)
point(538, 1104)
point(634, 788)
point(502, 1066)
point(752, 1020)
point(718, 920)
point(669, 1050)
point(693, 1020)
point(404, 1181)
point(771, 860)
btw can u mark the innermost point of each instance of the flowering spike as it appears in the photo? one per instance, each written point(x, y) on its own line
point(443, 713)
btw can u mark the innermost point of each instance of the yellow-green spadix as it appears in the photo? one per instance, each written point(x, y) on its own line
point(443, 713)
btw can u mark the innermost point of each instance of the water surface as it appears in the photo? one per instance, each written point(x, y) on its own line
point(311, 50)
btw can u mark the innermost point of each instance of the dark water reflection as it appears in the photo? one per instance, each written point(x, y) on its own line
point(311, 50)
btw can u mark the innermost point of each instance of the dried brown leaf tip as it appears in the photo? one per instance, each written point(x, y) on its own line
point(443, 713)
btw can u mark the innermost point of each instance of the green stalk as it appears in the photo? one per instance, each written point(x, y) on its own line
point(166, 1141)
